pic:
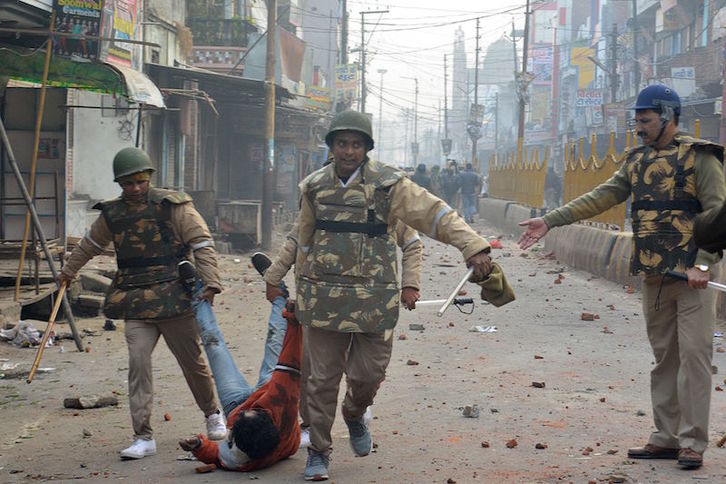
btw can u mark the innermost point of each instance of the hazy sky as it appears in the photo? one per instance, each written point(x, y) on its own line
point(411, 40)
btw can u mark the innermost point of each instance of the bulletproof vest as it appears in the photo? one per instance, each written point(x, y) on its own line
point(664, 205)
point(146, 285)
point(348, 281)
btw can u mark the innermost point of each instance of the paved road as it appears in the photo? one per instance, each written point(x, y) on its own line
point(594, 405)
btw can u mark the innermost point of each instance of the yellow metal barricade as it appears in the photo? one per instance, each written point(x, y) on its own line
point(519, 176)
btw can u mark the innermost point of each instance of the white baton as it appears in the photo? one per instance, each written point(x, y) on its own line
point(455, 292)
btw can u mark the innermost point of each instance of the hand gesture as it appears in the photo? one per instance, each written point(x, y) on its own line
point(536, 229)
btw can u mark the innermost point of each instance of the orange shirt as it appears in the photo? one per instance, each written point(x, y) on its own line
point(279, 397)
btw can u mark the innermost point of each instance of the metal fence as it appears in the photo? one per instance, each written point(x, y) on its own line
point(520, 176)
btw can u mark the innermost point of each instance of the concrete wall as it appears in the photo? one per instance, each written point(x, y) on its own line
point(97, 135)
point(604, 253)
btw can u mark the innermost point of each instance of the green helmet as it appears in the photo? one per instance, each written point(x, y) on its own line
point(129, 161)
point(351, 121)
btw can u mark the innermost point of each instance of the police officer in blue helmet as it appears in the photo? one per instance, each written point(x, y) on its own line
point(663, 102)
point(672, 177)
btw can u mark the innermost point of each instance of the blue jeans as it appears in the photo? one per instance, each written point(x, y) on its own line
point(469, 201)
point(276, 328)
point(232, 388)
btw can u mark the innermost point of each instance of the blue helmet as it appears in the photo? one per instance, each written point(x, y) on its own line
point(658, 96)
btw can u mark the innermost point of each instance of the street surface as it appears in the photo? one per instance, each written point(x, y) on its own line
point(594, 403)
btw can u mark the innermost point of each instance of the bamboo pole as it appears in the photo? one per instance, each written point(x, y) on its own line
point(36, 141)
point(46, 334)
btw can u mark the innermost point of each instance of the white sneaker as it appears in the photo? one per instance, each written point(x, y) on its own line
point(139, 449)
point(304, 437)
point(368, 416)
point(216, 428)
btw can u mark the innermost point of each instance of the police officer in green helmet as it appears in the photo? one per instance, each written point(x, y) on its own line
point(348, 295)
point(672, 178)
point(152, 230)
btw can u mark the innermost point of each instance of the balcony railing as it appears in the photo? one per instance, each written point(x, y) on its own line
point(220, 32)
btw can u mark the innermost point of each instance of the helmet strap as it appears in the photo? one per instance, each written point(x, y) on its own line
point(663, 124)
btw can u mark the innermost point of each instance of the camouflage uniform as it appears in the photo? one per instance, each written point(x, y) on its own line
point(412, 260)
point(347, 289)
point(669, 187)
point(149, 237)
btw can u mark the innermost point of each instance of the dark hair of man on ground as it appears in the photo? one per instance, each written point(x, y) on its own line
point(255, 434)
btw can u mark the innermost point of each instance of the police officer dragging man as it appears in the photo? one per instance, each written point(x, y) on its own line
point(672, 177)
point(152, 230)
point(347, 284)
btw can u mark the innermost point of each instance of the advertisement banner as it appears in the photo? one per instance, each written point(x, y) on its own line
point(542, 57)
point(446, 146)
point(588, 97)
point(119, 22)
point(579, 58)
point(684, 80)
point(346, 83)
point(476, 117)
point(81, 18)
point(318, 97)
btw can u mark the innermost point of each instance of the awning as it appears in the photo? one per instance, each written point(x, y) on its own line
point(27, 65)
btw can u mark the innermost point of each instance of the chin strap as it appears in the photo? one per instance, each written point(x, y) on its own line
point(663, 125)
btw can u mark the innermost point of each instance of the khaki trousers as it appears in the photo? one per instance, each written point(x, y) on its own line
point(182, 338)
point(681, 335)
point(363, 357)
point(305, 373)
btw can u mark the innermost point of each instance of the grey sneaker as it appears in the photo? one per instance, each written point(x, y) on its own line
point(360, 437)
point(316, 468)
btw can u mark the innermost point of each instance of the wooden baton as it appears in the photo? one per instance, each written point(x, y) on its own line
point(46, 334)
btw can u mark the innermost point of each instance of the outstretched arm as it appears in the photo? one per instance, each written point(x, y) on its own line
point(536, 229)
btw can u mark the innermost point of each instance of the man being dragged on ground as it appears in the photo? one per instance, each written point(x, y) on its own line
point(263, 423)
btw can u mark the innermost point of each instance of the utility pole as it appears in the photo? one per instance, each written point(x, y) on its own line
point(476, 132)
point(414, 144)
point(439, 131)
point(446, 103)
point(636, 67)
point(406, 113)
point(380, 115)
point(613, 71)
point(363, 56)
point(523, 83)
point(269, 160)
point(344, 34)
point(415, 125)
point(496, 121)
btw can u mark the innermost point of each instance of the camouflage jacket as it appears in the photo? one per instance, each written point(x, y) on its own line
point(401, 200)
point(187, 228)
point(665, 203)
point(655, 179)
point(406, 238)
point(349, 281)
